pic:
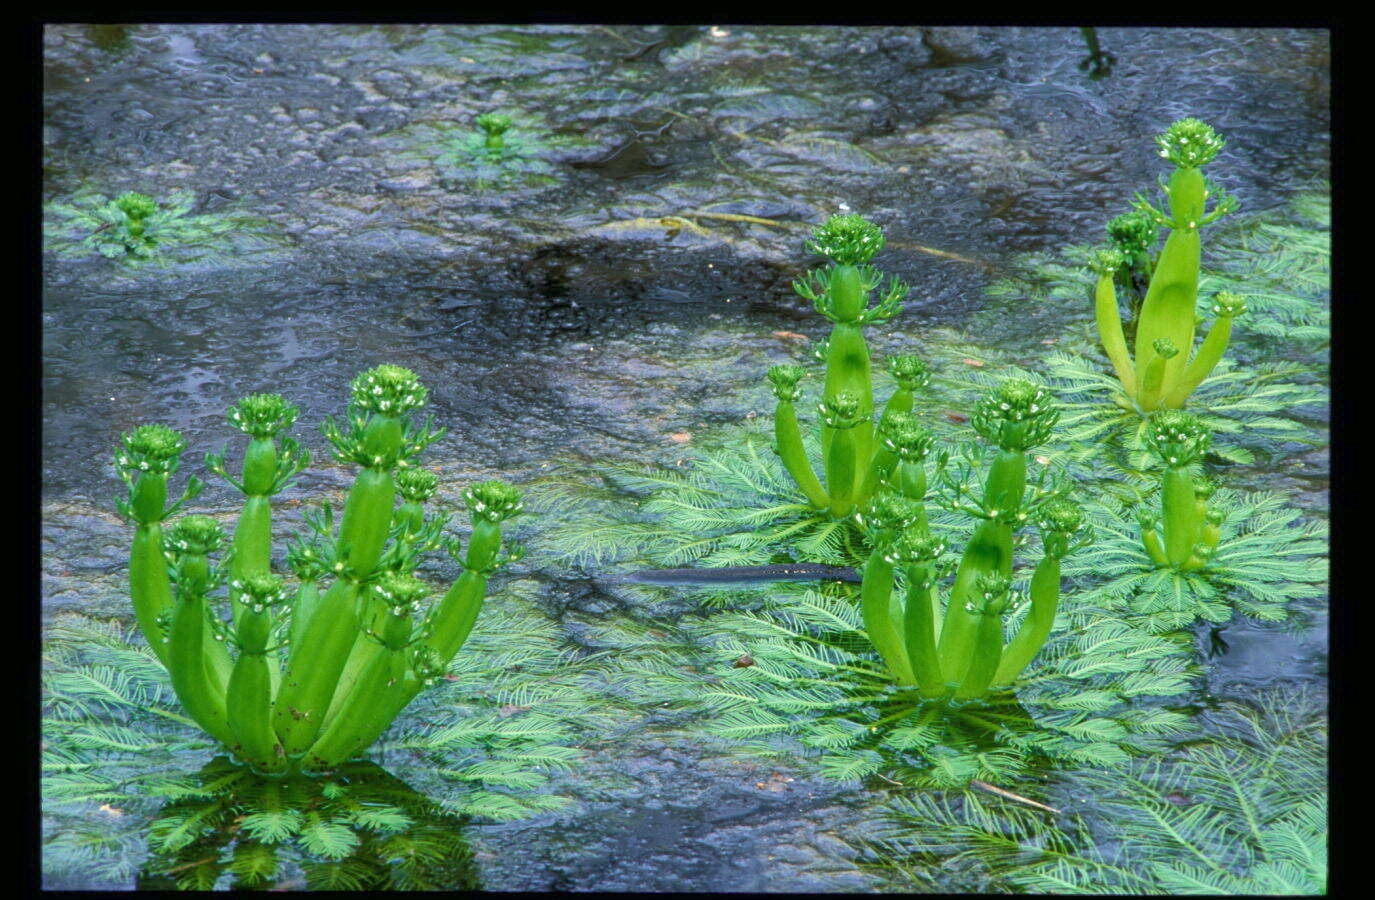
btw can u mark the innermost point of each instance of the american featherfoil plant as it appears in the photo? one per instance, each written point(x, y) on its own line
point(1160, 373)
point(304, 678)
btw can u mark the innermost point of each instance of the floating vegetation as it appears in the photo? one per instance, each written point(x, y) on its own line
point(1268, 558)
point(1242, 812)
point(494, 151)
point(135, 228)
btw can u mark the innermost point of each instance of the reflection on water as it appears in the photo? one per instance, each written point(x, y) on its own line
point(362, 828)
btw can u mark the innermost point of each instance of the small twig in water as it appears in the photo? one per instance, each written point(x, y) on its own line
point(993, 789)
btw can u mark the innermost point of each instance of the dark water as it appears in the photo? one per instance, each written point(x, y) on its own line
point(553, 313)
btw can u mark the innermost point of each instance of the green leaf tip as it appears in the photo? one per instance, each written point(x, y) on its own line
point(1133, 233)
point(904, 434)
point(388, 390)
point(136, 205)
point(840, 411)
point(1178, 437)
point(909, 371)
point(196, 536)
point(1228, 305)
point(785, 381)
point(1016, 415)
point(416, 485)
point(846, 240)
point(155, 449)
point(262, 415)
point(493, 501)
point(1190, 143)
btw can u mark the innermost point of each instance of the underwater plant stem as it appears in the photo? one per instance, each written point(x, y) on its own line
point(985, 657)
point(248, 704)
point(1109, 318)
point(875, 597)
point(793, 454)
point(841, 465)
point(150, 585)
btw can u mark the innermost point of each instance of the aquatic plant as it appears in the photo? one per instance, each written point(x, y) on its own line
point(498, 151)
point(855, 463)
point(482, 743)
point(962, 654)
point(358, 650)
point(1241, 811)
point(1160, 374)
point(135, 228)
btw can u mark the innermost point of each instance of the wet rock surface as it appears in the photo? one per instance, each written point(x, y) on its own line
point(623, 287)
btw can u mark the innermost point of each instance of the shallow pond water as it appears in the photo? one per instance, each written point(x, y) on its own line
point(614, 301)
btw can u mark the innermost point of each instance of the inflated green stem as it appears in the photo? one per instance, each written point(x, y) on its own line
point(248, 700)
point(191, 541)
point(911, 375)
point(1109, 320)
point(1179, 439)
point(785, 380)
point(916, 553)
point(1226, 306)
point(1168, 310)
point(1153, 375)
point(989, 602)
point(885, 519)
point(1059, 521)
point(842, 416)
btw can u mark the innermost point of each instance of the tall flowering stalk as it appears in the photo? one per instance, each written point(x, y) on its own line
point(1163, 369)
point(954, 648)
point(304, 678)
point(854, 460)
point(1185, 534)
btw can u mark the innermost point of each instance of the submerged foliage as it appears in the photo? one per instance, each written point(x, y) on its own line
point(135, 228)
point(1242, 812)
point(796, 674)
point(483, 743)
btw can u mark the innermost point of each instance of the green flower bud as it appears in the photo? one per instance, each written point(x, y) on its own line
point(905, 435)
point(840, 411)
point(155, 449)
point(195, 536)
point(305, 561)
point(262, 415)
point(1062, 517)
point(388, 390)
point(493, 501)
point(784, 379)
point(1133, 233)
point(1228, 305)
point(416, 485)
point(990, 595)
point(1179, 438)
point(848, 240)
point(909, 372)
point(1016, 415)
point(1204, 488)
point(260, 590)
point(889, 512)
point(1190, 143)
point(427, 665)
point(401, 592)
point(1106, 261)
point(914, 548)
point(1164, 348)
